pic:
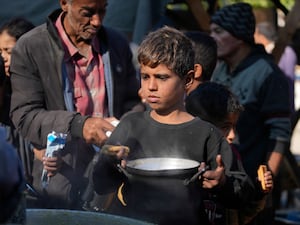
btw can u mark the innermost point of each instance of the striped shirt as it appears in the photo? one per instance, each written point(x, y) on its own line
point(86, 74)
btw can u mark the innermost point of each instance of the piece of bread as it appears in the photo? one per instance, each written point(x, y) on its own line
point(114, 149)
point(260, 172)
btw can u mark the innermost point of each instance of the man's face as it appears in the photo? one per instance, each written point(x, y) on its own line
point(83, 18)
point(227, 44)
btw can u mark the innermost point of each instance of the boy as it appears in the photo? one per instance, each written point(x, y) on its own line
point(216, 104)
point(166, 58)
point(205, 48)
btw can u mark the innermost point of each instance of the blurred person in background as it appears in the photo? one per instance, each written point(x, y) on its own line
point(263, 128)
point(216, 104)
point(265, 34)
point(12, 184)
point(289, 59)
point(205, 48)
point(10, 32)
point(12, 181)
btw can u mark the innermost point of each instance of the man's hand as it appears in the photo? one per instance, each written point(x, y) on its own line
point(94, 130)
point(214, 178)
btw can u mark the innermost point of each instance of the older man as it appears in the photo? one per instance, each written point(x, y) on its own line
point(67, 76)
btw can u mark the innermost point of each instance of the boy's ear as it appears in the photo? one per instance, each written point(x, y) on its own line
point(189, 79)
point(197, 71)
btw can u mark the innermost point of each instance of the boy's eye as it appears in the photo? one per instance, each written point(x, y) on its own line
point(226, 127)
point(162, 77)
point(144, 76)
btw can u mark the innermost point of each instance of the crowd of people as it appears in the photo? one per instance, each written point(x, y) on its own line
point(216, 98)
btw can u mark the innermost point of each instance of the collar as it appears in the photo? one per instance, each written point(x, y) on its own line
point(257, 52)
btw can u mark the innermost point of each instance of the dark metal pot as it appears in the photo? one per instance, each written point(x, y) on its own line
point(158, 186)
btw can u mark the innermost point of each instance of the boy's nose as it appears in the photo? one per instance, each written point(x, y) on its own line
point(152, 84)
point(231, 135)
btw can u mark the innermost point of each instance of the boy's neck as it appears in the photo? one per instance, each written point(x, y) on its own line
point(175, 117)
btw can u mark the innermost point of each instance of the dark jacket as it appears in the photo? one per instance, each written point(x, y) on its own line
point(42, 97)
point(38, 84)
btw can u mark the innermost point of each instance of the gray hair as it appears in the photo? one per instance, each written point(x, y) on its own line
point(267, 29)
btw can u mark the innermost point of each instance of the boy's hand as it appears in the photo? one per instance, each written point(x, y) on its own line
point(117, 152)
point(265, 178)
point(52, 164)
point(268, 181)
point(120, 151)
point(214, 178)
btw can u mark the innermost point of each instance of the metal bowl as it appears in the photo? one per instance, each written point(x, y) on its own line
point(162, 166)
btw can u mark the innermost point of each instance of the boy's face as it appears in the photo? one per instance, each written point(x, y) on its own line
point(162, 89)
point(228, 127)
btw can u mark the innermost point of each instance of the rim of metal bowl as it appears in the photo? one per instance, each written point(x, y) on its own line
point(162, 166)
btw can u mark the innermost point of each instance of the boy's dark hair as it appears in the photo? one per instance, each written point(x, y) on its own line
point(170, 47)
point(16, 27)
point(205, 48)
point(212, 102)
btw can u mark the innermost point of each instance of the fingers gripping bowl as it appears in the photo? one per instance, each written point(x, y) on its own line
point(114, 149)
